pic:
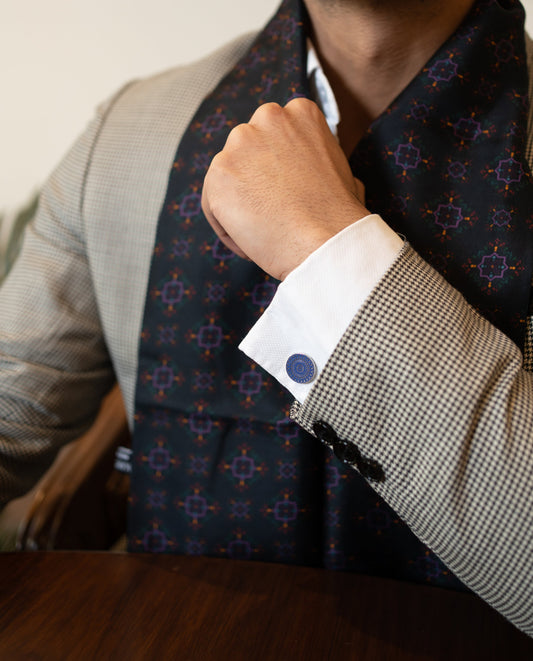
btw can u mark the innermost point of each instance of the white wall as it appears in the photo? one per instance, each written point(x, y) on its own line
point(59, 58)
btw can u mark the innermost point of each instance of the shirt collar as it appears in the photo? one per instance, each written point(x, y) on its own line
point(321, 89)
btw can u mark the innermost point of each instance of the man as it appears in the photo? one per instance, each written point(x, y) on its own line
point(392, 369)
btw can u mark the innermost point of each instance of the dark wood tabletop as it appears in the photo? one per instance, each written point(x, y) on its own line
point(77, 605)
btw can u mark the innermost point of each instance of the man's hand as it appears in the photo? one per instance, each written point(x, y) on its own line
point(281, 187)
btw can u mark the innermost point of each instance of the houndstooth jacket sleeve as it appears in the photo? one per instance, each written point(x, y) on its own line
point(443, 402)
point(440, 399)
point(71, 307)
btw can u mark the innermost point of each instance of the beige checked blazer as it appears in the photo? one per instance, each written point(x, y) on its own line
point(420, 382)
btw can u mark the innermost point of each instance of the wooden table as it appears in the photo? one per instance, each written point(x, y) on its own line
point(60, 606)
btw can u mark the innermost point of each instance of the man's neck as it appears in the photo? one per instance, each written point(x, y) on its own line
point(371, 49)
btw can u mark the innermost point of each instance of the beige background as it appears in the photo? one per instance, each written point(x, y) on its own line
point(61, 57)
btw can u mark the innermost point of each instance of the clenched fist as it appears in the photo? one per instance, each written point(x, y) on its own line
point(281, 187)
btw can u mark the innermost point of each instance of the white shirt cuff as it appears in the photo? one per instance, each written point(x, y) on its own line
point(316, 302)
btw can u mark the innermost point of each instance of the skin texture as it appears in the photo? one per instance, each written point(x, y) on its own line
point(245, 187)
point(282, 186)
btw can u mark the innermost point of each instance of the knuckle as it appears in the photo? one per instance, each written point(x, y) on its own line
point(237, 137)
point(267, 112)
point(304, 107)
point(302, 104)
point(271, 108)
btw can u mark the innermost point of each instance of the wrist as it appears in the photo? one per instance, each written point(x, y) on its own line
point(313, 237)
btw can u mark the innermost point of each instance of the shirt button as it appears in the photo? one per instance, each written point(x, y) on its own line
point(301, 368)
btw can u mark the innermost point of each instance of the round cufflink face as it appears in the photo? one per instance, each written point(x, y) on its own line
point(300, 368)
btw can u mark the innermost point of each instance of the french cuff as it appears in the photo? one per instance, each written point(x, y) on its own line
point(316, 302)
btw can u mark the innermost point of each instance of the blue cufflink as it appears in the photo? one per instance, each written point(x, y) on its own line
point(300, 368)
